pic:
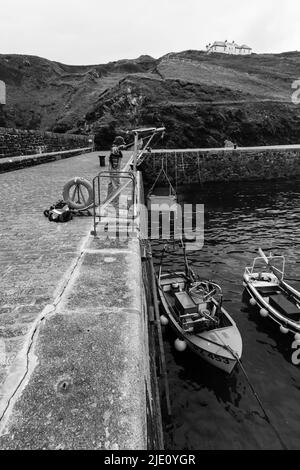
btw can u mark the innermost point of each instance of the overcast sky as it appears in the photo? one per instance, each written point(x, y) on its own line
point(99, 31)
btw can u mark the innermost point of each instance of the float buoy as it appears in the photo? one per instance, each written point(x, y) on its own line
point(252, 302)
point(164, 320)
point(263, 313)
point(297, 337)
point(78, 193)
point(284, 330)
point(180, 345)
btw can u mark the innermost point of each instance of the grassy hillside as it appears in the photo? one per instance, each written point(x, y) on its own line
point(201, 99)
point(48, 95)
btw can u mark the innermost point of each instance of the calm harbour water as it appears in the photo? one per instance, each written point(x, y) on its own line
point(209, 409)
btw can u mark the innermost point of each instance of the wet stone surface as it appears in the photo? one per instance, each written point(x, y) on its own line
point(35, 253)
point(87, 387)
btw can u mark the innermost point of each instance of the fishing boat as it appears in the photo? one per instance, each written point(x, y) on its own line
point(194, 309)
point(271, 295)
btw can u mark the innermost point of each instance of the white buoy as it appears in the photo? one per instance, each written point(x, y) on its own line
point(284, 330)
point(297, 336)
point(252, 302)
point(180, 345)
point(264, 313)
point(164, 320)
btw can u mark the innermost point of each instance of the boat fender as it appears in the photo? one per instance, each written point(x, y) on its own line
point(252, 302)
point(244, 284)
point(164, 320)
point(263, 313)
point(284, 330)
point(297, 337)
point(180, 345)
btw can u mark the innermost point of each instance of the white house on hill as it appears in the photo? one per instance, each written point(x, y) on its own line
point(228, 48)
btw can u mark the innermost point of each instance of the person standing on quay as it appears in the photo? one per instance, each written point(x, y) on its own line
point(115, 159)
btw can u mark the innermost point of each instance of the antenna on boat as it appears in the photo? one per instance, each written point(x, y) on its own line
point(188, 270)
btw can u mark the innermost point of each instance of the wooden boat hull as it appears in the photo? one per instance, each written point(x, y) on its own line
point(221, 347)
point(211, 353)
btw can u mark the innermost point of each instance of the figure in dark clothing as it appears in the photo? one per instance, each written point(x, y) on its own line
point(115, 159)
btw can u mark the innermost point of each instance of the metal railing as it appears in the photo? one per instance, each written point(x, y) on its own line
point(99, 207)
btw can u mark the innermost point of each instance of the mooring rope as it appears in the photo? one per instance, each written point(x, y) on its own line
point(166, 164)
point(176, 172)
point(183, 166)
point(266, 416)
point(199, 171)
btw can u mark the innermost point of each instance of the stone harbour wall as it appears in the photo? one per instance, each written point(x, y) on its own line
point(18, 142)
point(222, 165)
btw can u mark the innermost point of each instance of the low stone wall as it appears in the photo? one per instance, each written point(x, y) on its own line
point(17, 163)
point(18, 142)
point(222, 165)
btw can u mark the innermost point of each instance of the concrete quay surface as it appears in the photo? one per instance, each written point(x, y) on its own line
point(72, 331)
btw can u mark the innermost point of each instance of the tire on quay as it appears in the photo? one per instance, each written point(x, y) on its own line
point(78, 193)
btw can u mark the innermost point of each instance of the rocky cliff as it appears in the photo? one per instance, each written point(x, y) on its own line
point(201, 99)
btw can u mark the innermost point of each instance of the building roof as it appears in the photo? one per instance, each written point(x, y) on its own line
point(226, 43)
point(219, 43)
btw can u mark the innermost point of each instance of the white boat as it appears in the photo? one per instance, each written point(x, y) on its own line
point(272, 296)
point(195, 312)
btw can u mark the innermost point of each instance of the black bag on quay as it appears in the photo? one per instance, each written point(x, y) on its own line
point(59, 212)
